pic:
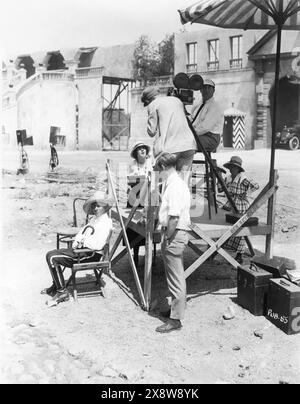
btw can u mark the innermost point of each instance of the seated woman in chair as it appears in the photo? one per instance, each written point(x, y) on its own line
point(93, 236)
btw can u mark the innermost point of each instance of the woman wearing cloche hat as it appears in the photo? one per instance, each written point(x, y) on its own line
point(92, 236)
point(239, 186)
point(142, 162)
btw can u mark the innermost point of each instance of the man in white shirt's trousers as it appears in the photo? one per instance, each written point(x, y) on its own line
point(174, 217)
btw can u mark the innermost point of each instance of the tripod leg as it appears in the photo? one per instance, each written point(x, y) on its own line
point(207, 179)
point(214, 187)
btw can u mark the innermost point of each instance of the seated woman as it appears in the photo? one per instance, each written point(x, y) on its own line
point(142, 161)
point(93, 236)
point(142, 164)
point(239, 186)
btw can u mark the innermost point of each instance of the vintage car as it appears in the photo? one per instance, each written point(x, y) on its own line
point(289, 137)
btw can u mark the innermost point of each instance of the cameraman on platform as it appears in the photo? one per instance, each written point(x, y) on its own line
point(208, 118)
point(168, 124)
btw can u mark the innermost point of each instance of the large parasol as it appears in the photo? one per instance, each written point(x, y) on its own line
point(250, 14)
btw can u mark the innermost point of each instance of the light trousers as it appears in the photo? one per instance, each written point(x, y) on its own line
point(173, 262)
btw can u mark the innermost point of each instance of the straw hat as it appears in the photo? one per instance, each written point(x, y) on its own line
point(137, 145)
point(235, 161)
point(101, 199)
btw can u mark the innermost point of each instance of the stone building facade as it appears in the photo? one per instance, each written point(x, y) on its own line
point(73, 88)
point(68, 89)
point(242, 64)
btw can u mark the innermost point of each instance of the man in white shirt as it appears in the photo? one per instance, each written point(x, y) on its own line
point(92, 236)
point(174, 217)
point(208, 118)
point(167, 122)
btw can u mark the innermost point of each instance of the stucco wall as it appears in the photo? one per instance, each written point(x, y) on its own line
point(9, 120)
point(90, 114)
point(117, 60)
point(45, 104)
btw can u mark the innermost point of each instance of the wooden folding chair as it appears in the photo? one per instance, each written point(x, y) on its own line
point(98, 267)
point(66, 234)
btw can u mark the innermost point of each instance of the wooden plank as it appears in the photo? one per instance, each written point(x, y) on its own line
point(250, 247)
point(217, 231)
point(211, 243)
point(91, 266)
point(236, 227)
point(133, 267)
point(215, 247)
point(149, 243)
point(271, 221)
point(195, 248)
point(199, 261)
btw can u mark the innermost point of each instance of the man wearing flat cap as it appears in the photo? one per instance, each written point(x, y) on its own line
point(92, 236)
point(208, 118)
point(168, 124)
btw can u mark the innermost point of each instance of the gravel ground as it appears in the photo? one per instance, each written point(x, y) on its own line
point(111, 340)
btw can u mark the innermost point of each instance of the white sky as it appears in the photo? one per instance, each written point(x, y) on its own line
point(34, 25)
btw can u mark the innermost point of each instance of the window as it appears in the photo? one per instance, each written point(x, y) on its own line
point(236, 61)
point(213, 54)
point(191, 57)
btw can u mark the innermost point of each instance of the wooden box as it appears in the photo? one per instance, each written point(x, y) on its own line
point(283, 306)
point(252, 289)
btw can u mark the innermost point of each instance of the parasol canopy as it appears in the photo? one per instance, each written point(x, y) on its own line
point(244, 14)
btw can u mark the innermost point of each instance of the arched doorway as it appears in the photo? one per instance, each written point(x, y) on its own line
point(55, 61)
point(27, 63)
point(288, 102)
point(85, 57)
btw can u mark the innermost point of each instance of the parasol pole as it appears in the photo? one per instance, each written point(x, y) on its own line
point(271, 205)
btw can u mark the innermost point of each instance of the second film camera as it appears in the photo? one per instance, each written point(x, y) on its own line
point(184, 87)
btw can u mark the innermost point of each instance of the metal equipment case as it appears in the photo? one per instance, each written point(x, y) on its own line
point(252, 288)
point(283, 305)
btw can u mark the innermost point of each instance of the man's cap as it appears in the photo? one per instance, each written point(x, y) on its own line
point(235, 161)
point(208, 82)
point(149, 94)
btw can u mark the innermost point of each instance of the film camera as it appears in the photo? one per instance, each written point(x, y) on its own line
point(185, 87)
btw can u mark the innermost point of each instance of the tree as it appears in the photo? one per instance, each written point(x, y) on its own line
point(166, 55)
point(151, 59)
point(146, 58)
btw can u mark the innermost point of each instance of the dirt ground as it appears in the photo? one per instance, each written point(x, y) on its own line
point(112, 340)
